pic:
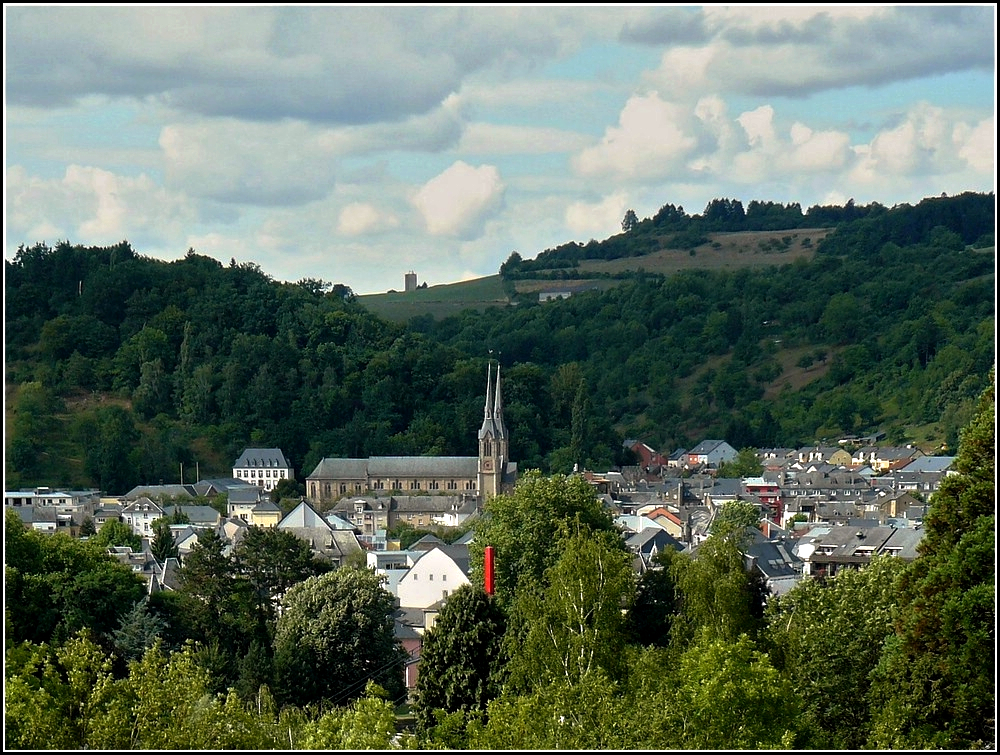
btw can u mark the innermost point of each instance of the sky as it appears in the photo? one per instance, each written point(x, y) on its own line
point(355, 143)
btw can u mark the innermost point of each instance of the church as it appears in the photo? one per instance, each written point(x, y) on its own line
point(480, 477)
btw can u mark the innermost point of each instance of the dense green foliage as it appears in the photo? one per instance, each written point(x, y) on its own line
point(55, 585)
point(124, 367)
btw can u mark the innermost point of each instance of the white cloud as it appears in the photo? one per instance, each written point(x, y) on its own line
point(94, 206)
point(650, 141)
point(597, 219)
point(458, 201)
point(362, 218)
point(759, 127)
point(814, 151)
point(977, 145)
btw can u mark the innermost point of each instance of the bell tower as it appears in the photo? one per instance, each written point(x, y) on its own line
point(493, 454)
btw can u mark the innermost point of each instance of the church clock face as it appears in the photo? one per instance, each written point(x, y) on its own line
point(488, 466)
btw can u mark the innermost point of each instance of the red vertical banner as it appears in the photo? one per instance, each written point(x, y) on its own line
point(488, 569)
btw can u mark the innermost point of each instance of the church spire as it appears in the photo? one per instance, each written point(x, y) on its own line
point(493, 463)
point(498, 409)
point(489, 429)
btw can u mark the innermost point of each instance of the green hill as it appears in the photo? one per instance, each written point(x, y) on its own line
point(120, 368)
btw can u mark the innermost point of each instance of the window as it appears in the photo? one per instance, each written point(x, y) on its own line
point(444, 577)
point(430, 577)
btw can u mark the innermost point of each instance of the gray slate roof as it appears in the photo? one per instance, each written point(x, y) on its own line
point(261, 457)
point(397, 466)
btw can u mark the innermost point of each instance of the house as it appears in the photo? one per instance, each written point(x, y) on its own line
point(218, 486)
point(775, 560)
point(435, 575)
point(366, 515)
point(265, 514)
point(605, 483)
point(160, 492)
point(648, 457)
point(433, 510)
point(107, 512)
point(140, 515)
point(648, 544)
point(667, 520)
point(776, 459)
point(677, 458)
point(885, 459)
point(630, 524)
point(164, 576)
point(185, 537)
point(902, 506)
point(710, 453)
point(482, 476)
point(940, 465)
point(41, 518)
point(894, 457)
point(336, 546)
point(412, 643)
point(832, 455)
point(370, 515)
point(206, 517)
point(62, 501)
point(240, 503)
point(718, 492)
point(827, 549)
point(263, 467)
point(392, 565)
point(767, 491)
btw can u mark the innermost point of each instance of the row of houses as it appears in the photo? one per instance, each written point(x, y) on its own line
point(711, 454)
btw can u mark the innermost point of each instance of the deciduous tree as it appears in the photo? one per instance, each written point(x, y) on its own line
point(335, 634)
point(574, 624)
point(523, 526)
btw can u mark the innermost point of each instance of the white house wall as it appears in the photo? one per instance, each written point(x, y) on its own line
point(429, 579)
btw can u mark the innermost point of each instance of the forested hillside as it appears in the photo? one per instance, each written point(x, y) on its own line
point(120, 368)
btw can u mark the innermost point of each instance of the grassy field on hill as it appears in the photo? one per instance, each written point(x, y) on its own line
point(437, 301)
point(724, 251)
